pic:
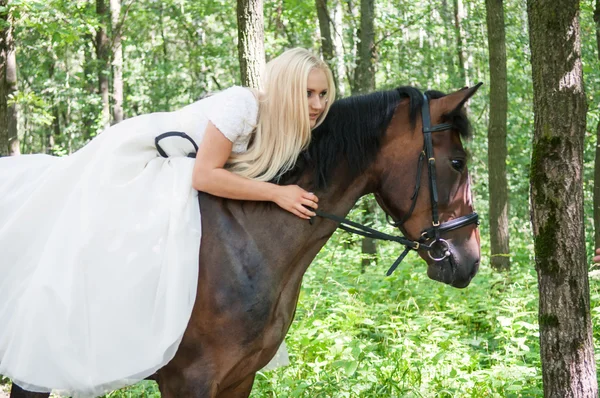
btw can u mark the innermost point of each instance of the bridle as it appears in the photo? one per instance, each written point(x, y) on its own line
point(436, 230)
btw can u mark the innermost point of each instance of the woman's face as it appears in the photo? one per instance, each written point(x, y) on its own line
point(316, 92)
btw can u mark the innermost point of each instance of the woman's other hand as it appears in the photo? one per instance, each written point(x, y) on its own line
point(294, 199)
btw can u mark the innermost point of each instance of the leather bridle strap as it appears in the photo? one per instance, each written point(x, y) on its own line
point(433, 233)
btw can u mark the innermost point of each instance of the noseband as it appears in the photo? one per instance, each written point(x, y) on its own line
point(432, 233)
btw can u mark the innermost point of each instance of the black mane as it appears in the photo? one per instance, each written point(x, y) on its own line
point(353, 129)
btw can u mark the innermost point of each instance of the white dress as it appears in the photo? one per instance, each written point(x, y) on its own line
point(99, 250)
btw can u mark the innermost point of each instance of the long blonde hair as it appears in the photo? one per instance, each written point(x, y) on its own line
point(283, 128)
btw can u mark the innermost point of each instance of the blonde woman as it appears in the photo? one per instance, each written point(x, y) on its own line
point(100, 249)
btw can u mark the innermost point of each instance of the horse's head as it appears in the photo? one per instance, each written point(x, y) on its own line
point(404, 190)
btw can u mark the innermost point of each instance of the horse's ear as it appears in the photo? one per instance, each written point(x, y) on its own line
point(457, 99)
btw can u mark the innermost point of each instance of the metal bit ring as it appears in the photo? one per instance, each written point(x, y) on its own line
point(446, 250)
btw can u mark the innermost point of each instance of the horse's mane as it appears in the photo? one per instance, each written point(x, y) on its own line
point(353, 131)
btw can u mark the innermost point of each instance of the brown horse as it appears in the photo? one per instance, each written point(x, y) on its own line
point(254, 254)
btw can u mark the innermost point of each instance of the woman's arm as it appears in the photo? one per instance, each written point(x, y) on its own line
point(210, 176)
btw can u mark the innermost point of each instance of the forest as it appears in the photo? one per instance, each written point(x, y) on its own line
point(71, 68)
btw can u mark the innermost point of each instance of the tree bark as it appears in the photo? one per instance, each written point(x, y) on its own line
point(7, 80)
point(364, 82)
point(459, 41)
point(567, 353)
point(11, 88)
point(327, 44)
point(117, 61)
point(103, 56)
point(449, 51)
point(597, 159)
point(497, 152)
point(338, 48)
point(251, 47)
point(365, 69)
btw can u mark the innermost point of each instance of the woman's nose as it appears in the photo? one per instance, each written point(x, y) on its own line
point(315, 102)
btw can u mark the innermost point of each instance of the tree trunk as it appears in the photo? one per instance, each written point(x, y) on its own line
point(251, 47)
point(448, 50)
point(459, 41)
point(327, 46)
point(559, 103)
point(365, 69)
point(364, 82)
point(117, 62)
point(338, 48)
point(55, 132)
point(103, 56)
point(89, 71)
point(499, 241)
point(4, 51)
point(11, 88)
point(597, 161)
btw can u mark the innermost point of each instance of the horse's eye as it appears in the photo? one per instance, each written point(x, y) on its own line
point(458, 164)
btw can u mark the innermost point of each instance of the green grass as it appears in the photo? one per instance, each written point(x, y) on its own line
point(365, 335)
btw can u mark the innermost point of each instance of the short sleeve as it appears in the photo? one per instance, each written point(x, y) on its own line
point(234, 112)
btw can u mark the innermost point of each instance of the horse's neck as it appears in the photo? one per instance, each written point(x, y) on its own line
point(338, 199)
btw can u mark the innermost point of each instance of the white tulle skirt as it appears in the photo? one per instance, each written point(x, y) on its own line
point(98, 263)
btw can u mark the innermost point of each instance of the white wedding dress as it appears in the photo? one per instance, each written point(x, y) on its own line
point(99, 250)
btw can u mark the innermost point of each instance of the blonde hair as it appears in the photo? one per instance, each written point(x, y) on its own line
point(283, 129)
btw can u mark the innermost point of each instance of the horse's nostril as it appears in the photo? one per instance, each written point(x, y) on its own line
point(474, 269)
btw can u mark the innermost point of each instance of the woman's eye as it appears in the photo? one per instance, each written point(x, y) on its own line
point(308, 94)
point(458, 164)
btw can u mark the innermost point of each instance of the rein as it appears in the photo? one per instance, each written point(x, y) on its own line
point(434, 232)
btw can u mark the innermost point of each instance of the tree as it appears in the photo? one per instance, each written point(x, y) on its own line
point(364, 74)
point(330, 41)
point(251, 49)
point(327, 43)
point(566, 344)
point(117, 61)
point(103, 56)
point(597, 162)
point(364, 82)
point(459, 41)
point(497, 151)
point(9, 143)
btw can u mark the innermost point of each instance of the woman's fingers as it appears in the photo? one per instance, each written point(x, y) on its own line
point(299, 214)
point(310, 203)
point(305, 211)
point(310, 196)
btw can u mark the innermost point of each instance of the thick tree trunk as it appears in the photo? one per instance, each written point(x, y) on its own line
point(567, 351)
point(327, 43)
point(499, 241)
point(459, 41)
point(117, 62)
point(103, 56)
point(251, 47)
point(597, 161)
point(365, 69)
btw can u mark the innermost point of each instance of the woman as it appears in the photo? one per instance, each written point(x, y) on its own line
point(100, 249)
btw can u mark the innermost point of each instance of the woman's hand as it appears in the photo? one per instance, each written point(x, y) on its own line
point(293, 199)
point(596, 258)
